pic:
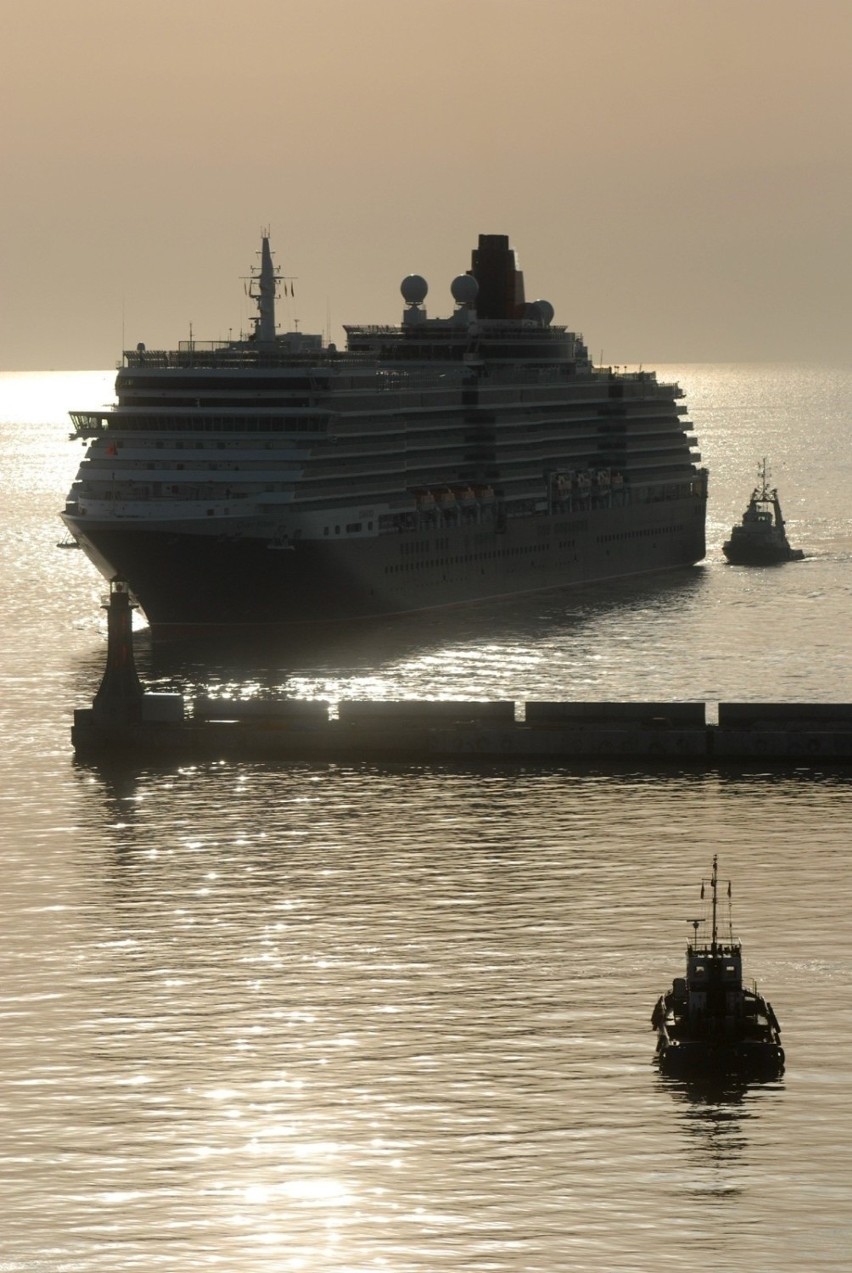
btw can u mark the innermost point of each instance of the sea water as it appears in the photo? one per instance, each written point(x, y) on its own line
point(347, 1017)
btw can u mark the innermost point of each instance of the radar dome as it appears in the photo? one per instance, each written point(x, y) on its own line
point(465, 289)
point(547, 312)
point(539, 312)
point(414, 289)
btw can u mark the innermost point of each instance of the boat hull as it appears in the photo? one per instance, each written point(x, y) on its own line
point(760, 554)
point(212, 579)
point(747, 1058)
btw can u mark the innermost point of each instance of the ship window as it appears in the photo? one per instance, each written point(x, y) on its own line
point(337, 530)
point(353, 527)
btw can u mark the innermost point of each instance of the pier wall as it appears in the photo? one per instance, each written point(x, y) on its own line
point(451, 730)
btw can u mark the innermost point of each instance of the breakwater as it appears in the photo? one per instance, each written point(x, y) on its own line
point(124, 719)
point(441, 730)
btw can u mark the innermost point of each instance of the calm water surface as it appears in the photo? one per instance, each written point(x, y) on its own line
point(349, 1018)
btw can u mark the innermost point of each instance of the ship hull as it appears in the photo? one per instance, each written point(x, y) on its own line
point(739, 554)
point(212, 580)
point(746, 1058)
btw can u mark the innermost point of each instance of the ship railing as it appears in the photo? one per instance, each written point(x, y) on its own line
point(214, 354)
point(190, 346)
point(141, 507)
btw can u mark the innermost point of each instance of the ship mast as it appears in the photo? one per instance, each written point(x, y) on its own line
point(266, 285)
point(713, 885)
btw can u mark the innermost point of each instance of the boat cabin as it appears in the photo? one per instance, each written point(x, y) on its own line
point(714, 980)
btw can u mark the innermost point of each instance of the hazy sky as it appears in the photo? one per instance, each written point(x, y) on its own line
point(676, 175)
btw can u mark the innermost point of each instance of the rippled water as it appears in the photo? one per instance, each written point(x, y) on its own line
point(353, 1018)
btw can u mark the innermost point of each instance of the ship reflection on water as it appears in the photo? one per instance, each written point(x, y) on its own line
point(519, 647)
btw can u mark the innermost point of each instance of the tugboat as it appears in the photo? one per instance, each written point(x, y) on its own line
point(709, 1024)
point(760, 539)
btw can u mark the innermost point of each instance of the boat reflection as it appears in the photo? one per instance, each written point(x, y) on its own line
point(714, 1115)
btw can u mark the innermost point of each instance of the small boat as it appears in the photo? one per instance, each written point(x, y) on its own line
point(709, 1024)
point(760, 538)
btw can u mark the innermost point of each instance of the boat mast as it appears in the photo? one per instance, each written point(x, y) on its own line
point(713, 884)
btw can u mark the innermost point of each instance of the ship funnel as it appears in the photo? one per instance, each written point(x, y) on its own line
point(501, 283)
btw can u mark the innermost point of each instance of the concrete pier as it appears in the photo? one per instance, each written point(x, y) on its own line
point(439, 730)
point(124, 720)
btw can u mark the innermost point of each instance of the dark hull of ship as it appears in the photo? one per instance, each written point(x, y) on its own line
point(746, 1058)
point(768, 554)
point(205, 580)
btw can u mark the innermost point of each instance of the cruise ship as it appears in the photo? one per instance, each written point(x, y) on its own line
point(278, 479)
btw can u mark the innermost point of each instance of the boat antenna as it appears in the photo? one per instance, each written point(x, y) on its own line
point(730, 916)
